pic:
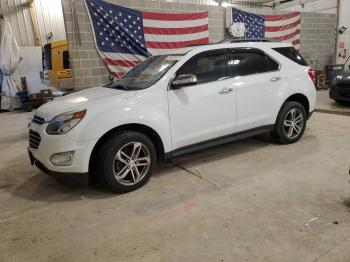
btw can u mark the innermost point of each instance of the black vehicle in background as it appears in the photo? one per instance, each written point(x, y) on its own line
point(340, 85)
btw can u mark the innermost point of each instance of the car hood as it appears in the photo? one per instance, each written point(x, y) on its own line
point(81, 100)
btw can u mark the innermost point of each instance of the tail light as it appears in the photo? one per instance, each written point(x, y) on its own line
point(311, 73)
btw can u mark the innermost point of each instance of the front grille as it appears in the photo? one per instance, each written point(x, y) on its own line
point(34, 139)
point(39, 120)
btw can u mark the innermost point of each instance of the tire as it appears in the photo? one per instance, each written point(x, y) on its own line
point(287, 130)
point(115, 165)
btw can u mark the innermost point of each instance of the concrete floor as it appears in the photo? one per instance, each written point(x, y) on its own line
point(325, 104)
point(246, 201)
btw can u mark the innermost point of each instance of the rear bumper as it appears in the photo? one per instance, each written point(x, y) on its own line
point(337, 93)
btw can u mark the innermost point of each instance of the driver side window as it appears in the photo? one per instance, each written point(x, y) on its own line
point(207, 66)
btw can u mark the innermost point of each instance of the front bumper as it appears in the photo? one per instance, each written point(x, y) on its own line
point(71, 178)
point(340, 93)
point(52, 144)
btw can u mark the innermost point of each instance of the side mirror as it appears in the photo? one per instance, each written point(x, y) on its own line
point(184, 80)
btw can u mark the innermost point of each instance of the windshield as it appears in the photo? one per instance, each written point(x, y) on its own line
point(146, 73)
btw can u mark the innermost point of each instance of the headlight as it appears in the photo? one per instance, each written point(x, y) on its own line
point(61, 124)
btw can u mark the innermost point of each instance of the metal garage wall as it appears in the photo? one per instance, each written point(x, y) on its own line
point(50, 19)
point(19, 17)
point(49, 16)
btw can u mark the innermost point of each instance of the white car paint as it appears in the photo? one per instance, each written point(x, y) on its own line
point(180, 117)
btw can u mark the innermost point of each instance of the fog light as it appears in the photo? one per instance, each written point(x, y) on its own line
point(62, 159)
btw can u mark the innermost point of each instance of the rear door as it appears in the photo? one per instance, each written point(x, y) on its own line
point(259, 81)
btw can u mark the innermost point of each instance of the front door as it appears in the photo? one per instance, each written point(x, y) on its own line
point(206, 110)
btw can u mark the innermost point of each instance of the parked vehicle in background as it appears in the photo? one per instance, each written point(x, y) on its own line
point(171, 105)
point(340, 86)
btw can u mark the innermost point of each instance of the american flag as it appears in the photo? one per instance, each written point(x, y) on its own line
point(285, 28)
point(124, 37)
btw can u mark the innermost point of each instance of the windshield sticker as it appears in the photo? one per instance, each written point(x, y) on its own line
point(173, 58)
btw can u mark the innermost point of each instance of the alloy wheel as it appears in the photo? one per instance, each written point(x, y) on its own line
point(131, 163)
point(293, 123)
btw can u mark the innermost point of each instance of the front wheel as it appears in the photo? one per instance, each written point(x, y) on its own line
point(126, 161)
point(291, 123)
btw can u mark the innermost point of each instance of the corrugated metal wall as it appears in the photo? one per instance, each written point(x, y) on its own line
point(19, 17)
point(49, 16)
point(50, 19)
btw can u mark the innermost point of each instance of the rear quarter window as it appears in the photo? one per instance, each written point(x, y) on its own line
point(292, 54)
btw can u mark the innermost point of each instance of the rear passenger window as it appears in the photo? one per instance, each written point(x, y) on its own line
point(242, 63)
point(208, 66)
point(292, 54)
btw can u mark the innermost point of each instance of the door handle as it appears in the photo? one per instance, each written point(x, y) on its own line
point(275, 78)
point(225, 90)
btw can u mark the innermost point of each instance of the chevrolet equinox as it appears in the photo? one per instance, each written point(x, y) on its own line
point(170, 105)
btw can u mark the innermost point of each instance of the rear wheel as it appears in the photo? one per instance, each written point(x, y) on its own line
point(126, 161)
point(291, 123)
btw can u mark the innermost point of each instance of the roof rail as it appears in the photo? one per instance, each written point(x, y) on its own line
point(246, 40)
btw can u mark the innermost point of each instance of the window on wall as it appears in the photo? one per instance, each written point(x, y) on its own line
point(207, 66)
point(248, 62)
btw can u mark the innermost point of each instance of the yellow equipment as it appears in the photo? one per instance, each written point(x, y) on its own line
point(56, 65)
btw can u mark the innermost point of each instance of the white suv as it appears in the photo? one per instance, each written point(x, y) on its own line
point(171, 105)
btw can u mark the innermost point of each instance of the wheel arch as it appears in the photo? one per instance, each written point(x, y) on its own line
point(146, 130)
point(302, 99)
